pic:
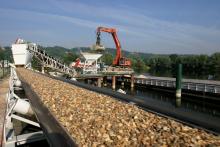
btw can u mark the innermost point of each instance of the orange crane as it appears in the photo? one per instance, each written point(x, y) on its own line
point(118, 60)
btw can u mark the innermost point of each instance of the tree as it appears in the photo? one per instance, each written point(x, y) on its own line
point(152, 62)
point(164, 62)
point(203, 61)
point(173, 58)
point(69, 57)
point(107, 58)
point(215, 62)
point(140, 66)
point(1, 53)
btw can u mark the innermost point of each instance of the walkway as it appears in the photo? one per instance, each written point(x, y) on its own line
point(3, 90)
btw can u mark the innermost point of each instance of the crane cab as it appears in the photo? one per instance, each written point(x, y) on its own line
point(124, 62)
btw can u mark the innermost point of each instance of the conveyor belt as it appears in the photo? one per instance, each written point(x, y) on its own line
point(56, 134)
point(49, 61)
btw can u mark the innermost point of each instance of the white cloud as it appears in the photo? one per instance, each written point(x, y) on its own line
point(135, 30)
point(181, 36)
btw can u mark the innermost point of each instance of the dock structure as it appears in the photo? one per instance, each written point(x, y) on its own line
point(100, 77)
point(188, 84)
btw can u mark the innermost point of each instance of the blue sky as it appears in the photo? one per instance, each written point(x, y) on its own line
point(152, 26)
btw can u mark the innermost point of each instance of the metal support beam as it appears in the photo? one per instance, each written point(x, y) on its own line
point(99, 82)
point(113, 82)
point(42, 69)
point(25, 138)
point(132, 81)
point(25, 120)
point(179, 80)
point(18, 105)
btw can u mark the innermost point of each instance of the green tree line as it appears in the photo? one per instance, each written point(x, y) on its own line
point(190, 62)
point(5, 54)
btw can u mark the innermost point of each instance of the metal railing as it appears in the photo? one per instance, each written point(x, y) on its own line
point(204, 87)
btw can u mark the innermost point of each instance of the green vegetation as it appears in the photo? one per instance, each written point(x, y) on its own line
point(56, 51)
point(69, 57)
point(107, 58)
point(138, 63)
point(200, 66)
point(2, 53)
point(61, 53)
point(5, 54)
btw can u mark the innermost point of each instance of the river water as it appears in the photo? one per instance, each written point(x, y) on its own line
point(195, 104)
point(198, 105)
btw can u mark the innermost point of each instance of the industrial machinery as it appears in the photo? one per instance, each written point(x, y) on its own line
point(118, 60)
point(21, 125)
point(23, 52)
point(89, 63)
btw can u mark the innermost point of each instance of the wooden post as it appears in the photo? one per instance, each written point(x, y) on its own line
point(113, 82)
point(132, 81)
point(42, 69)
point(99, 81)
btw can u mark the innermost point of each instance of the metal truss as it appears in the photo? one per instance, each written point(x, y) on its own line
point(16, 109)
point(49, 61)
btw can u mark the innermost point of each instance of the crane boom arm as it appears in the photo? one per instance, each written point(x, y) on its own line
point(116, 40)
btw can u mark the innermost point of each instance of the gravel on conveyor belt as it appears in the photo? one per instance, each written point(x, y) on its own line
point(94, 119)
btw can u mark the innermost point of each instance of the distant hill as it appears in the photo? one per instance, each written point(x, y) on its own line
point(59, 52)
point(56, 51)
point(113, 52)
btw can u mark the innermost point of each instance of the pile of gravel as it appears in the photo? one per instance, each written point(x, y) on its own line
point(94, 119)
